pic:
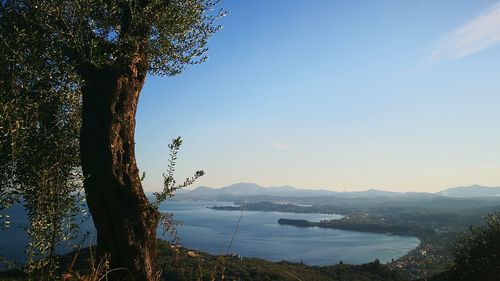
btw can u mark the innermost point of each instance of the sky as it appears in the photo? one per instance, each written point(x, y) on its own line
point(340, 95)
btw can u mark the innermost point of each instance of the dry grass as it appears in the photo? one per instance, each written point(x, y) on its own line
point(96, 272)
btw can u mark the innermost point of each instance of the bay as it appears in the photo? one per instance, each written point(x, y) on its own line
point(259, 235)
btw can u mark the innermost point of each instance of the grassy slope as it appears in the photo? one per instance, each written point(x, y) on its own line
point(176, 264)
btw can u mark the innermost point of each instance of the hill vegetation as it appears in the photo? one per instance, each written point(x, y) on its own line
point(182, 264)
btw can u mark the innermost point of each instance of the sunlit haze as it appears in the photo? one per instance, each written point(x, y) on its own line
point(340, 95)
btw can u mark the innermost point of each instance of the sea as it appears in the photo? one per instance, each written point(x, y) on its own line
point(249, 234)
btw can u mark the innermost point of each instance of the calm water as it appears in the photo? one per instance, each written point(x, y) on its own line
point(258, 235)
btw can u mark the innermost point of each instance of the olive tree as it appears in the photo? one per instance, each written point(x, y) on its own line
point(103, 50)
point(40, 113)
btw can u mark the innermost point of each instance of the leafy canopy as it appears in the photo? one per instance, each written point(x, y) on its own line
point(170, 33)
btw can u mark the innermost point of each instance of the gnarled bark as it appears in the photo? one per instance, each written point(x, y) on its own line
point(125, 221)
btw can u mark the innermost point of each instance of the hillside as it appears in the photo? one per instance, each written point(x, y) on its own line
point(181, 264)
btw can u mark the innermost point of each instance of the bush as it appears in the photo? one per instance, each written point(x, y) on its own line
point(477, 255)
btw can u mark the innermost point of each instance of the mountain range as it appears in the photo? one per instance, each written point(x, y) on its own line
point(252, 189)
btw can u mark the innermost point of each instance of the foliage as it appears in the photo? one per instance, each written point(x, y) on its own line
point(477, 255)
point(170, 185)
point(39, 128)
point(172, 33)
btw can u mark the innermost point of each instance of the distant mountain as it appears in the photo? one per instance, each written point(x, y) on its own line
point(237, 190)
point(252, 189)
point(471, 191)
point(243, 189)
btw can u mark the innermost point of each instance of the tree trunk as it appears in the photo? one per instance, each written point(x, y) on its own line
point(125, 221)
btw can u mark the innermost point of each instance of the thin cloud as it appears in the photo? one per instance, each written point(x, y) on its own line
point(480, 33)
point(281, 145)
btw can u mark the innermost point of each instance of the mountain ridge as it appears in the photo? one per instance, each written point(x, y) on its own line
point(253, 189)
point(471, 191)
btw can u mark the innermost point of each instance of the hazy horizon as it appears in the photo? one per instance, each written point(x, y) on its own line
point(387, 95)
point(358, 189)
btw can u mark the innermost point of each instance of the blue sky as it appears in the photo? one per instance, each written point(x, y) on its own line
point(343, 95)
